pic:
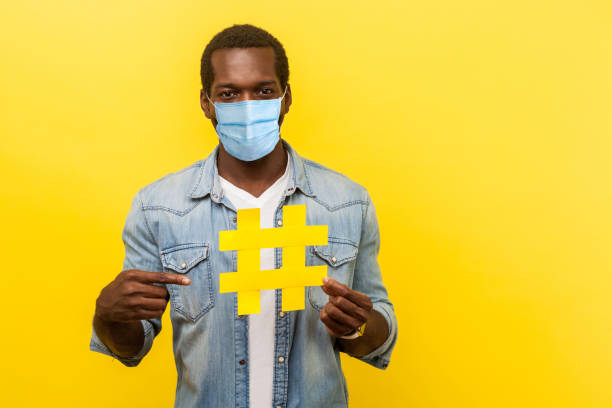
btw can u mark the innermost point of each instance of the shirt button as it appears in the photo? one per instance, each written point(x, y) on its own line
point(183, 265)
point(282, 314)
point(242, 362)
point(279, 222)
point(234, 219)
point(333, 259)
point(281, 359)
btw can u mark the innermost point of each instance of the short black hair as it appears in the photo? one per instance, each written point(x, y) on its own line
point(243, 36)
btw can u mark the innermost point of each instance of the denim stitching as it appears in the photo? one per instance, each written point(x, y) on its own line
point(183, 246)
point(171, 210)
point(338, 262)
point(144, 215)
point(191, 263)
point(211, 292)
point(179, 307)
point(201, 166)
point(340, 206)
point(326, 259)
point(308, 180)
point(342, 241)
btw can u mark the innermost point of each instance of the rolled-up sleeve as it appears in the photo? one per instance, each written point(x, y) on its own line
point(368, 280)
point(149, 334)
point(141, 252)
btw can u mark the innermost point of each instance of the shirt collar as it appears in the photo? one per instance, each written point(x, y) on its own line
point(207, 180)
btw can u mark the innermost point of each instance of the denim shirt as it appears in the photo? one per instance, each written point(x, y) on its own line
point(173, 226)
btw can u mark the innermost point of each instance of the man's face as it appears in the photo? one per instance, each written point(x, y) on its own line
point(241, 74)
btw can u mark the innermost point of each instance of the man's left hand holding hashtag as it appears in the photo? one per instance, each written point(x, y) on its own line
point(346, 312)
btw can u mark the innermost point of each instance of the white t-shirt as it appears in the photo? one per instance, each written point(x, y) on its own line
point(261, 325)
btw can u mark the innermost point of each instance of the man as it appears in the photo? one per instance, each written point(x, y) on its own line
point(171, 236)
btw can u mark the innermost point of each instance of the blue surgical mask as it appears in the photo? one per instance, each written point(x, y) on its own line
point(248, 130)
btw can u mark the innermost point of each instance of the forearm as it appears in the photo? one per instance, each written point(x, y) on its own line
point(123, 339)
point(376, 332)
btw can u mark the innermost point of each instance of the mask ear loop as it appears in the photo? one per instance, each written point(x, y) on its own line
point(282, 99)
point(213, 104)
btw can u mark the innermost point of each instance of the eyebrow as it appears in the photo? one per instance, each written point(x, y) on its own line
point(230, 85)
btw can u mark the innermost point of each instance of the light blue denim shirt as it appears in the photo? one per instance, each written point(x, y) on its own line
point(173, 226)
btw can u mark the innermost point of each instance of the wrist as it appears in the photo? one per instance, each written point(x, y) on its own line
point(358, 332)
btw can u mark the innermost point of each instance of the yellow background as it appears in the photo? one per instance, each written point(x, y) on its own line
point(481, 129)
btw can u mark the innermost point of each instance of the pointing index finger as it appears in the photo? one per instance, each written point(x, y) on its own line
point(163, 277)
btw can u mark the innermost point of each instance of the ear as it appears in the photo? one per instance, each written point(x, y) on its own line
point(287, 101)
point(207, 107)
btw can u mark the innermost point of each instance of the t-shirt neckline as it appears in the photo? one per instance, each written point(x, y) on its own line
point(262, 197)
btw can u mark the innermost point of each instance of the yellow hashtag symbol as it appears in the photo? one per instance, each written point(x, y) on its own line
point(292, 277)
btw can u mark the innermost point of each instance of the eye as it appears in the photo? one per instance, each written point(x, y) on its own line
point(267, 91)
point(227, 94)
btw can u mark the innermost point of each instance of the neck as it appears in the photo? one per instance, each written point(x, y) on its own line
point(255, 176)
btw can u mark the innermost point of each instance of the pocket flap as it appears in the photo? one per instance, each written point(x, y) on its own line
point(337, 251)
point(181, 258)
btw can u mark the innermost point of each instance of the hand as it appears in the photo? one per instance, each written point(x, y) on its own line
point(132, 296)
point(346, 310)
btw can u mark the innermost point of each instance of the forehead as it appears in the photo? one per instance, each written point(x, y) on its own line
point(243, 66)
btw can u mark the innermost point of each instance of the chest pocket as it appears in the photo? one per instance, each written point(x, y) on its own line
point(339, 255)
point(192, 260)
